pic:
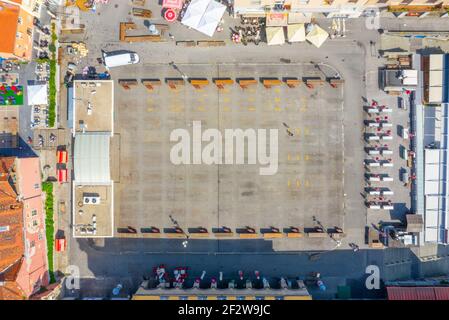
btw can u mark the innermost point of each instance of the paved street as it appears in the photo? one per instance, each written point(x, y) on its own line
point(307, 183)
point(127, 260)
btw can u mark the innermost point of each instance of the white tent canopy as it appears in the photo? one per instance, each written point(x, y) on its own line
point(275, 36)
point(37, 94)
point(204, 16)
point(317, 36)
point(296, 32)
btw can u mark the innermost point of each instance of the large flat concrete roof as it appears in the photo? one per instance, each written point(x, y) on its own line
point(93, 106)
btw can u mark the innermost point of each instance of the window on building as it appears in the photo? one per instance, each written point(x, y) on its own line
point(4, 228)
point(39, 236)
point(33, 212)
point(19, 35)
point(35, 223)
point(32, 244)
point(36, 186)
point(19, 21)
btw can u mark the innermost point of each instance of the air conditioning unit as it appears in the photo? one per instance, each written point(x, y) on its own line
point(91, 200)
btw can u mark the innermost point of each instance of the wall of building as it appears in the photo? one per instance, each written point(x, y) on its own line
point(335, 6)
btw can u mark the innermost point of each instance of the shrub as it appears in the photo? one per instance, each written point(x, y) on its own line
point(47, 187)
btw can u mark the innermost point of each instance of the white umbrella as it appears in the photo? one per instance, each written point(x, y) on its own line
point(275, 35)
point(317, 36)
point(296, 32)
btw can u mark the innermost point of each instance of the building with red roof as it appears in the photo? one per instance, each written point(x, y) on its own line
point(23, 247)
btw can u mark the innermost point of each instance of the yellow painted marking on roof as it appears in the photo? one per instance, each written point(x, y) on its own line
point(251, 108)
point(289, 157)
point(289, 183)
point(226, 99)
point(277, 90)
point(298, 131)
point(175, 108)
point(306, 131)
point(201, 108)
point(307, 157)
point(277, 108)
point(277, 99)
point(298, 183)
point(298, 157)
point(303, 104)
point(226, 108)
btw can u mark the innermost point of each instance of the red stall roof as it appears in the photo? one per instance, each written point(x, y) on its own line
point(418, 293)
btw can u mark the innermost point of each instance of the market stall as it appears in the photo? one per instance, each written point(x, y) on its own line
point(317, 36)
point(296, 32)
point(275, 35)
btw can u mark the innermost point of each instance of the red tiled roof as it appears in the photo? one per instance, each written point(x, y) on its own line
point(10, 290)
point(6, 163)
point(9, 17)
point(418, 293)
point(11, 241)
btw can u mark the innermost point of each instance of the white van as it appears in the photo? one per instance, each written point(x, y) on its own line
point(119, 59)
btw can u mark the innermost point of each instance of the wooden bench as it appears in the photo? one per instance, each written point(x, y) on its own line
point(128, 235)
point(175, 235)
point(245, 83)
point(292, 83)
point(211, 43)
point(317, 234)
point(151, 83)
point(294, 235)
point(334, 83)
point(311, 83)
point(173, 83)
point(224, 234)
point(337, 235)
point(272, 235)
point(249, 235)
point(199, 234)
point(125, 26)
point(151, 235)
point(199, 83)
point(221, 83)
point(127, 84)
point(186, 43)
point(268, 83)
point(142, 13)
